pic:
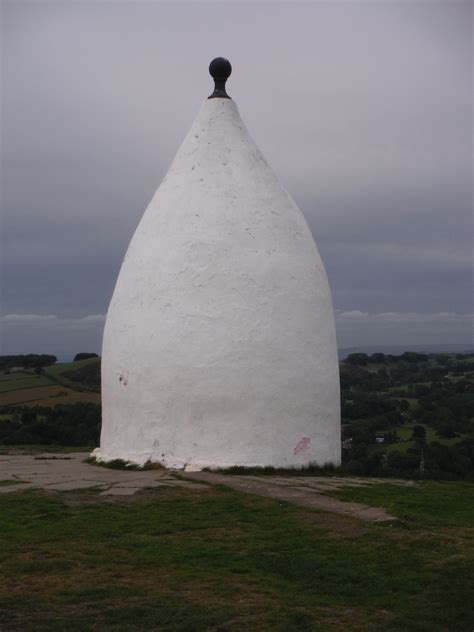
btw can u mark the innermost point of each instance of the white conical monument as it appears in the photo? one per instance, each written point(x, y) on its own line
point(219, 346)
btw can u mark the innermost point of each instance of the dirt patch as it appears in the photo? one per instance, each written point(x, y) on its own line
point(337, 526)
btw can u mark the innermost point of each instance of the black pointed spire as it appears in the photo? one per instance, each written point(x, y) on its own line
point(220, 70)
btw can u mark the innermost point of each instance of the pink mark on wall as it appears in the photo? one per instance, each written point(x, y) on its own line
point(303, 445)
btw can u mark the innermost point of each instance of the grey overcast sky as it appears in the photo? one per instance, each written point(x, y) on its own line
point(364, 110)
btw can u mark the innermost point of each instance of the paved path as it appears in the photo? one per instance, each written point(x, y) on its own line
point(65, 472)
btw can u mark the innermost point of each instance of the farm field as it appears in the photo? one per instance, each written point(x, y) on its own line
point(48, 395)
point(52, 387)
point(215, 559)
point(22, 381)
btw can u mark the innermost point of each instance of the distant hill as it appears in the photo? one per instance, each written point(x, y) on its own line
point(399, 349)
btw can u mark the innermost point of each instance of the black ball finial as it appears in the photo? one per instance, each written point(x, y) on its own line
point(220, 70)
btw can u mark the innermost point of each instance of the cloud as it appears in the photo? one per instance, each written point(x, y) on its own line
point(403, 328)
point(353, 314)
point(50, 333)
point(90, 319)
point(405, 317)
point(25, 318)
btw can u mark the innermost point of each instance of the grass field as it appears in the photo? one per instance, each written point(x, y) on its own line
point(47, 396)
point(25, 388)
point(25, 382)
point(184, 560)
point(405, 434)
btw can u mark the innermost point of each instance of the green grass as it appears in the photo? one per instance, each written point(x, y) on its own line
point(180, 560)
point(425, 505)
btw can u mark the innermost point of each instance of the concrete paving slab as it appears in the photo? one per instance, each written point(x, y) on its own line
point(71, 485)
point(69, 472)
point(138, 484)
point(8, 489)
point(8, 476)
point(120, 491)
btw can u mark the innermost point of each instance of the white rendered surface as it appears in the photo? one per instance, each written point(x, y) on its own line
point(219, 346)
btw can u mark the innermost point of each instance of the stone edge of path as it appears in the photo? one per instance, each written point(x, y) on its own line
point(308, 498)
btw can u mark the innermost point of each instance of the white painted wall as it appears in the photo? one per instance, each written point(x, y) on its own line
point(219, 347)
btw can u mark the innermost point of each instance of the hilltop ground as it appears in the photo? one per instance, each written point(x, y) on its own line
point(206, 557)
point(194, 556)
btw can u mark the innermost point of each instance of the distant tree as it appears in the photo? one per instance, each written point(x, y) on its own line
point(358, 359)
point(377, 358)
point(421, 390)
point(412, 356)
point(354, 467)
point(443, 359)
point(446, 429)
point(30, 361)
point(72, 424)
point(419, 432)
point(85, 375)
point(84, 356)
point(391, 436)
point(403, 405)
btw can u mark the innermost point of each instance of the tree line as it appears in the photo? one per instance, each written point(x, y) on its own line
point(29, 361)
point(65, 425)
